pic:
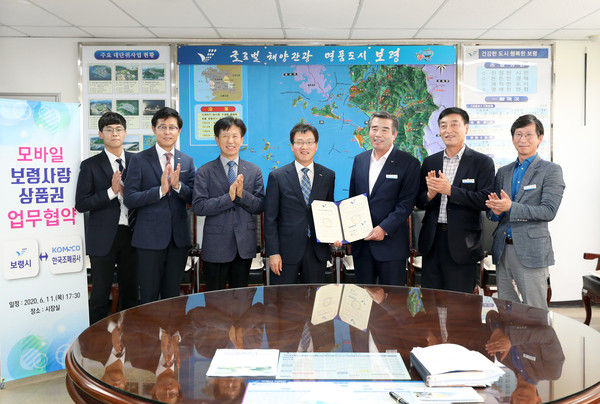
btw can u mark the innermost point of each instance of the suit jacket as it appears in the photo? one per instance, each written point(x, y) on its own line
point(534, 206)
point(229, 227)
point(473, 182)
point(391, 201)
point(95, 177)
point(158, 218)
point(536, 342)
point(287, 217)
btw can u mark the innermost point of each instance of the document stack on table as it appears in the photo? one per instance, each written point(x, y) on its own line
point(454, 365)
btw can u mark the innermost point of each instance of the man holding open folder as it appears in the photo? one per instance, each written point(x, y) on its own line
point(290, 238)
point(390, 178)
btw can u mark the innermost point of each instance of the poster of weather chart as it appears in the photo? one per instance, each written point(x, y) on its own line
point(501, 84)
point(334, 88)
point(43, 303)
point(134, 81)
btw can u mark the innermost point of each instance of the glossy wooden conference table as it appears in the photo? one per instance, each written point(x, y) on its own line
point(189, 329)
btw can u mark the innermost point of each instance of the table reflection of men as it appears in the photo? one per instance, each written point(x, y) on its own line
point(228, 390)
point(402, 319)
point(159, 334)
point(228, 320)
point(529, 348)
point(288, 312)
point(107, 346)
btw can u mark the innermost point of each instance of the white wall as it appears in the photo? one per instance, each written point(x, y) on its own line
point(577, 149)
point(50, 66)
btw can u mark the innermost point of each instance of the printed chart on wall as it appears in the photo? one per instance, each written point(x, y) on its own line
point(43, 303)
point(334, 88)
point(134, 81)
point(501, 84)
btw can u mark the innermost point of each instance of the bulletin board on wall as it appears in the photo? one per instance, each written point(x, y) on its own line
point(334, 88)
point(134, 81)
point(501, 83)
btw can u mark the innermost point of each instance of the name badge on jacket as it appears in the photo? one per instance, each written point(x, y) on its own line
point(529, 187)
point(391, 176)
point(468, 181)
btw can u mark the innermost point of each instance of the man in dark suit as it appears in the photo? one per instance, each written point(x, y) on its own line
point(228, 191)
point(390, 179)
point(527, 195)
point(108, 235)
point(159, 192)
point(455, 183)
point(290, 239)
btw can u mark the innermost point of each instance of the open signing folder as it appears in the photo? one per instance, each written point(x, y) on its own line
point(347, 220)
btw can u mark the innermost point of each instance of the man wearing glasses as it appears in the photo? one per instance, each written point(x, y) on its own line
point(228, 191)
point(108, 235)
point(527, 194)
point(159, 184)
point(290, 240)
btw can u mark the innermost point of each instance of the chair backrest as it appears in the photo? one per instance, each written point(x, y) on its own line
point(487, 232)
point(593, 256)
point(416, 222)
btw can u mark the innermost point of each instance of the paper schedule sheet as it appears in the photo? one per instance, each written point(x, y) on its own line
point(341, 366)
point(348, 220)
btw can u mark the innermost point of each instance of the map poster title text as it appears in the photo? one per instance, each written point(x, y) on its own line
point(316, 55)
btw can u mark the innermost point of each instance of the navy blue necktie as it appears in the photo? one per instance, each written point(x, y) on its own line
point(231, 172)
point(305, 185)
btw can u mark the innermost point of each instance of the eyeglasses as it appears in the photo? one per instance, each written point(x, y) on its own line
point(302, 144)
point(110, 131)
point(163, 128)
point(527, 136)
point(233, 136)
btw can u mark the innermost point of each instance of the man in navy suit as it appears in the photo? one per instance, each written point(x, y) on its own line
point(527, 195)
point(455, 183)
point(108, 235)
point(390, 179)
point(291, 244)
point(228, 191)
point(159, 184)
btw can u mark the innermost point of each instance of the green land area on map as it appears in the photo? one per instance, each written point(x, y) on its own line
point(400, 90)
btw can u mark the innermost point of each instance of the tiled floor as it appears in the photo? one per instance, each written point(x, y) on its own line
point(51, 387)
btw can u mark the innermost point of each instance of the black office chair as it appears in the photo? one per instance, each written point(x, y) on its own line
point(591, 288)
point(413, 276)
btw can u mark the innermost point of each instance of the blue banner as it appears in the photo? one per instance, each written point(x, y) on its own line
point(316, 55)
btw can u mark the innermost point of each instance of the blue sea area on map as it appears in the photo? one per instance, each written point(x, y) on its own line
point(278, 97)
point(272, 115)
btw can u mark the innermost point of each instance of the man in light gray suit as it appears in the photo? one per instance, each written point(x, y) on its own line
point(527, 195)
point(228, 191)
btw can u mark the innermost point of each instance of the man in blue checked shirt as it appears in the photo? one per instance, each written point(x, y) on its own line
point(527, 195)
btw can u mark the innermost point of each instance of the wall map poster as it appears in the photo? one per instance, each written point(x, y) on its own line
point(500, 84)
point(331, 87)
point(134, 81)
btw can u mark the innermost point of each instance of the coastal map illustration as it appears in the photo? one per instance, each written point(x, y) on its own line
point(336, 99)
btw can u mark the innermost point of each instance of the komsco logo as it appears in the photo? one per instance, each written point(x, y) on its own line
point(62, 249)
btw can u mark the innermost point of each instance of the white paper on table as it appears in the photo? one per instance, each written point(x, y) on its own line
point(244, 362)
point(353, 392)
point(342, 366)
